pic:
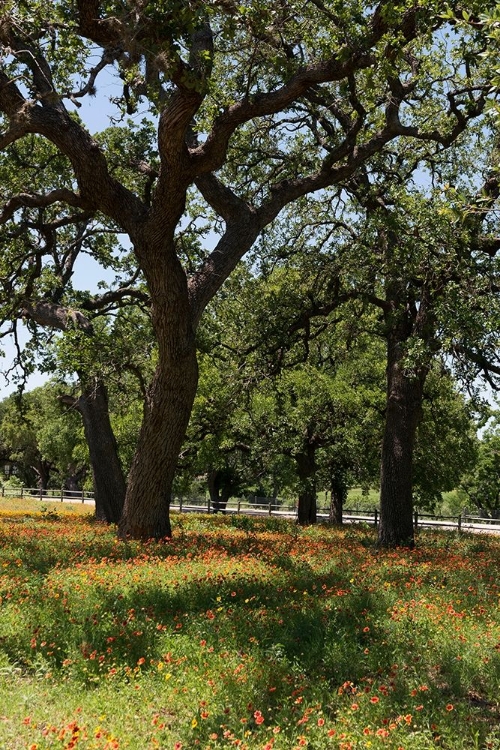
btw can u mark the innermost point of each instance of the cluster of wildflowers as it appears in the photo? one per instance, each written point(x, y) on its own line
point(225, 638)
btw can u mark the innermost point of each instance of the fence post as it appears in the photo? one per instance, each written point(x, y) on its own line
point(239, 506)
point(208, 505)
point(460, 522)
point(416, 519)
point(270, 507)
point(180, 504)
point(376, 517)
point(22, 488)
point(62, 494)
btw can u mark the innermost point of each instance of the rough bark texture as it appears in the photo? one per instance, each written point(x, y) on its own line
point(403, 411)
point(166, 414)
point(167, 408)
point(109, 482)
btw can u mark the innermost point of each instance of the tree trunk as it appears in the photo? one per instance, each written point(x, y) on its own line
point(43, 470)
point(224, 498)
point(306, 470)
point(109, 482)
point(403, 411)
point(220, 488)
point(213, 490)
point(166, 415)
point(72, 484)
point(338, 491)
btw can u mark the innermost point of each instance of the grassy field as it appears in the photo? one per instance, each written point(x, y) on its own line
point(246, 633)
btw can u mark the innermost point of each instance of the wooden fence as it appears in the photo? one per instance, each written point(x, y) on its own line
point(269, 507)
point(34, 493)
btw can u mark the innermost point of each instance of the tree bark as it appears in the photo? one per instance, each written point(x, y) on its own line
point(166, 415)
point(107, 473)
point(306, 470)
point(43, 470)
point(403, 412)
point(213, 490)
point(168, 402)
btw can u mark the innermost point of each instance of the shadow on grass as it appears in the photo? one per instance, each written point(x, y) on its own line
point(296, 622)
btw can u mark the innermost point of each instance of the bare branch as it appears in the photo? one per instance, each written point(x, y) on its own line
point(108, 57)
point(115, 296)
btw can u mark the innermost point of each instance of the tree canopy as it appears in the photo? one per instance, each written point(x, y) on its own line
point(245, 108)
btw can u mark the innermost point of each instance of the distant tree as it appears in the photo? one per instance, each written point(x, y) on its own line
point(278, 409)
point(414, 252)
point(482, 485)
point(43, 439)
point(446, 441)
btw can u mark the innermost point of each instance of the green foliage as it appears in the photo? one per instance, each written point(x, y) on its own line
point(42, 437)
point(481, 486)
point(446, 446)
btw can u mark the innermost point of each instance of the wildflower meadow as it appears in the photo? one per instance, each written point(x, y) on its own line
point(247, 633)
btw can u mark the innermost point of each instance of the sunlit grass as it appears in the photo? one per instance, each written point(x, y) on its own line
point(26, 506)
point(247, 633)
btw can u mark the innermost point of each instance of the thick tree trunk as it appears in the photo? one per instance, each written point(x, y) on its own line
point(166, 415)
point(170, 396)
point(307, 510)
point(403, 411)
point(306, 470)
point(109, 482)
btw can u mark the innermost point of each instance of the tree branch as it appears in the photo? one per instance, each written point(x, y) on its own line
point(35, 200)
point(51, 315)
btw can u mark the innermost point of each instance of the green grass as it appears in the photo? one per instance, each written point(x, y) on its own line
point(357, 499)
point(245, 632)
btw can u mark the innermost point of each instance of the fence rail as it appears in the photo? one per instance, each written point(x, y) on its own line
point(34, 493)
point(243, 507)
point(466, 522)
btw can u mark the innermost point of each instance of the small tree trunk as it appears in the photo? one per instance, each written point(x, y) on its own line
point(109, 482)
point(306, 470)
point(213, 490)
point(403, 411)
point(72, 484)
point(43, 469)
point(338, 491)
